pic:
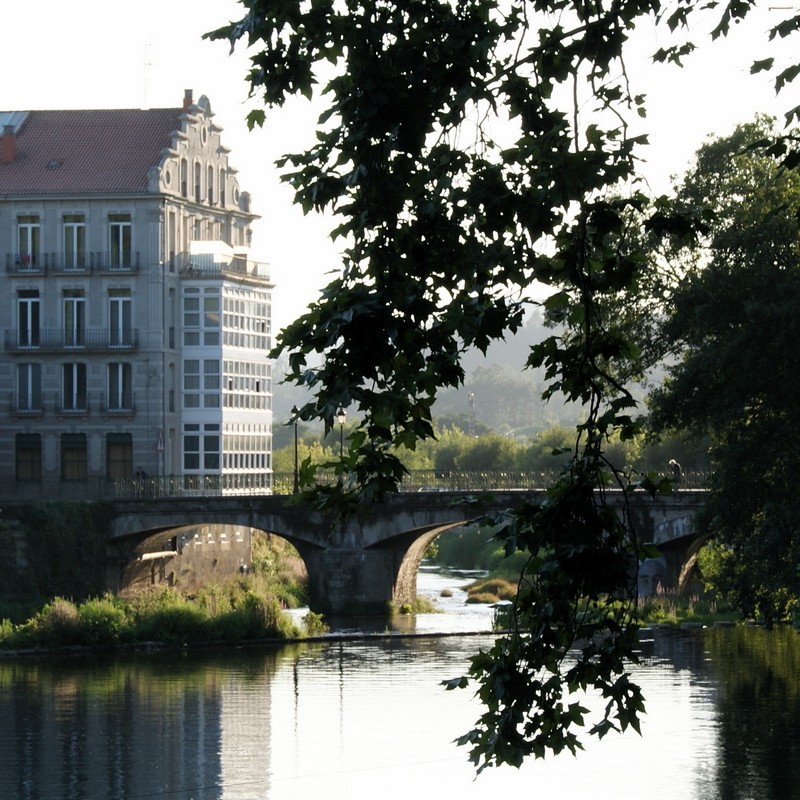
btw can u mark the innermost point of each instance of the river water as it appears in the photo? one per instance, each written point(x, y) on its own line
point(368, 718)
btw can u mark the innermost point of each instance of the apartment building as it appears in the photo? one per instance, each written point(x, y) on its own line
point(136, 324)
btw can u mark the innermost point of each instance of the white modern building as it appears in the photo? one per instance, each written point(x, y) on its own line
point(136, 324)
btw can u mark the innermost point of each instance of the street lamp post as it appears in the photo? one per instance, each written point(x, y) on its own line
point(296, 488)
point(341, 415)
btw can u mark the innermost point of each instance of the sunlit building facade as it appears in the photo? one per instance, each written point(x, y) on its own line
point(136, 324)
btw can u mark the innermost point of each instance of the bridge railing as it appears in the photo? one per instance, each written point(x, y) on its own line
point(283, 483)
point(484, 480)
point(193, 485)
point(505, 480)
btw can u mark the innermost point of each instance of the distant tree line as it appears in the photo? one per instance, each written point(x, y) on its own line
point(455, 448)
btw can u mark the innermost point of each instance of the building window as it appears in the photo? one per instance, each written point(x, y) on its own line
point(119, 456)
point(221, 187)
point(120, 233)
point(197, 174)
point(28, 456)
point(74, 241)
point(211, 383)
point(74, 387)
point(211, 320)
point(74, 318)
point(171, 388)
point(210, 184)
point(194, 385)
point(184, 178)
point(28, 233)
point(74, 457)
point(120, 387)
point(28, 318)
point(211, 446)
point(191, 318)
point(201, 446)
point(171, 306)
point(191, 383)
point(201, 317)
point(172, 239)
point(191, 447)
point(120, 318)
point(29, 387)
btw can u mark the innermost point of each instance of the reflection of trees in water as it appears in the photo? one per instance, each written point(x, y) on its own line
point(759, 711)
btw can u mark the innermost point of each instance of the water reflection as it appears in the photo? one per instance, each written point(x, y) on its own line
point(758, 672)
point(95, 728)
point(369, 719)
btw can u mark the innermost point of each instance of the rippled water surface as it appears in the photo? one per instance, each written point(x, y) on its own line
point(369, 719)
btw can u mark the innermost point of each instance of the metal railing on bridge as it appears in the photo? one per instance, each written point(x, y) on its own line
point(415, 481)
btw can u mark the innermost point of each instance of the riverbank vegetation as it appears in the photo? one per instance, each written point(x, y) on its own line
point(277, 566)
point(240, 609)
point(473, 548)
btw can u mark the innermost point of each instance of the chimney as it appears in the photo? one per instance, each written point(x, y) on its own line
point(187, 99)
point(8, 148)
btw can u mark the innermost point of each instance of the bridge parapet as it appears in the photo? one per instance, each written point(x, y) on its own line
point(415, 481)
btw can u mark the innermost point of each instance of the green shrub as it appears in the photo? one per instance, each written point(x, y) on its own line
point(7, 632)
point(166, 616)
point(103, 621)
point(494, 588)
point(482, 597)
point(57, 624)
point(315, 624)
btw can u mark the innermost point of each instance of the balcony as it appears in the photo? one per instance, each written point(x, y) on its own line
point(73, 407)
point(202, 266)
point(57, 340)
point(72, 263)
point(80, 405)
point(118, 405)
point(26, 408)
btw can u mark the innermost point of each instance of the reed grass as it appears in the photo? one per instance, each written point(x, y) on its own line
point(235, 610)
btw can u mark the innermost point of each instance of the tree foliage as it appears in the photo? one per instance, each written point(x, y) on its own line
point(735, 322)
point(469, 149)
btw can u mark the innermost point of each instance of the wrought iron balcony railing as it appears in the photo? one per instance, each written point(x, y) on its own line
point(26, 406)
point(123, 405)
point(203, 265)
point(75, 406)
point(57, 340)
point(71, 263)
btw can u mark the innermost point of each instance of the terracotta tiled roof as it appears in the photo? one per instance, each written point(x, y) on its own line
point(87, 152)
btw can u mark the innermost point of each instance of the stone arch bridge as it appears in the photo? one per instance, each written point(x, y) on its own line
point(372, 559)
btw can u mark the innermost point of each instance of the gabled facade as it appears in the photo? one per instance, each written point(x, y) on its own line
point(136, 326)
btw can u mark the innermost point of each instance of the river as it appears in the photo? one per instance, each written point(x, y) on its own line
point(369, 719)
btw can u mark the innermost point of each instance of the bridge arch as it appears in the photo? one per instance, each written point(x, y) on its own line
point(363, 564)
point(412, 546)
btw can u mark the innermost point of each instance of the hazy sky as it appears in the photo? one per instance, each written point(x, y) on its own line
point(104, 54)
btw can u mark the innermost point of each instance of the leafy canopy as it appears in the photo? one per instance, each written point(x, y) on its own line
point(468, 149)
point(735, 324)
